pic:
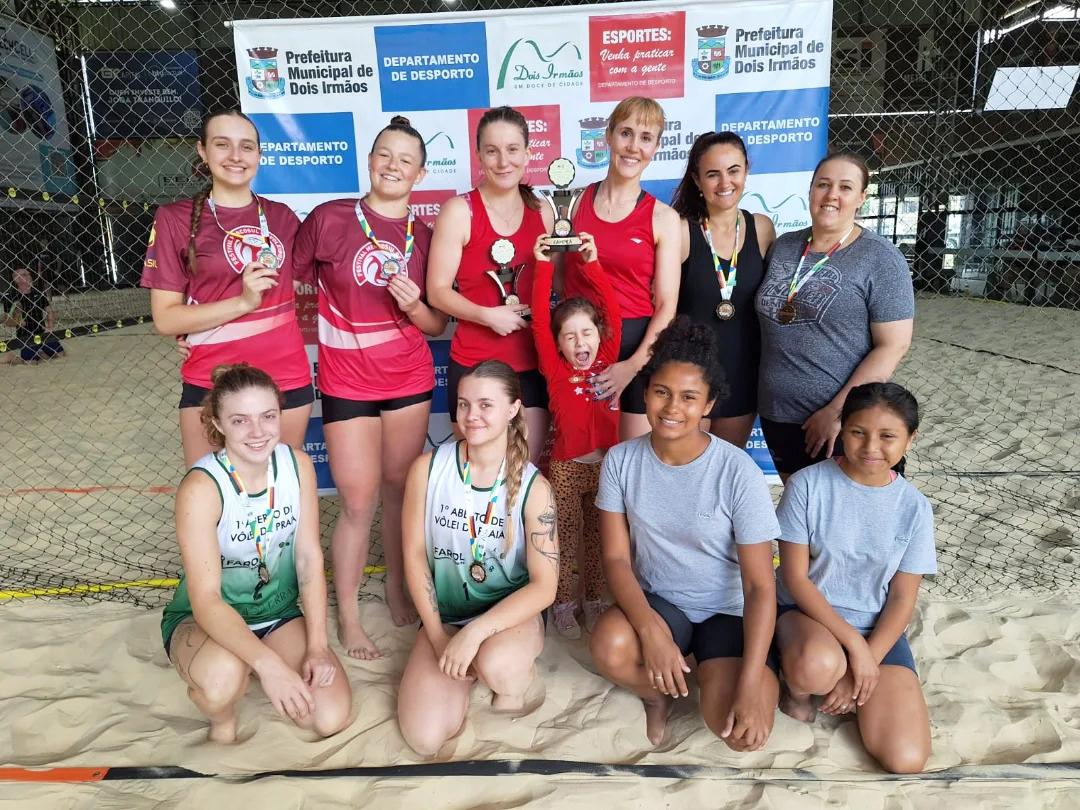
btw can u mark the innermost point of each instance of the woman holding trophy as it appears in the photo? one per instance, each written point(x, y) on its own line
point(637, 239)
point(481, 267)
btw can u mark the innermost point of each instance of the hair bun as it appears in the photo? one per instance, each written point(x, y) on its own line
point(400, 120)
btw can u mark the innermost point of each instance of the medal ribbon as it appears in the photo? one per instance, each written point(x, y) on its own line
point(253, 523)
point(370, 234)
point(262, 242)
point(733, 266)
point(797, 283)
point(475, 548)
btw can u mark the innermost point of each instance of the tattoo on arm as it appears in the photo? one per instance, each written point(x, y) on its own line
point(545, 541)
point(433, 599)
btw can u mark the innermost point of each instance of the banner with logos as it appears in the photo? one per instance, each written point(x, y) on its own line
point(320, 91)
point(35, 150)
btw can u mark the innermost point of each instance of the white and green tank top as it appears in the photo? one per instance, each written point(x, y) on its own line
point(446, 532)
point(260, 604)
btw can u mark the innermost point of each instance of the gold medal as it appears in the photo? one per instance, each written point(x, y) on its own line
point(477, 572)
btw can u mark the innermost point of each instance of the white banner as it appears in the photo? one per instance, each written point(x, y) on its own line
point(35, 151)
point(320, 90)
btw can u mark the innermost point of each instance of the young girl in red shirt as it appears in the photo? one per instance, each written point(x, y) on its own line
point(574, 343)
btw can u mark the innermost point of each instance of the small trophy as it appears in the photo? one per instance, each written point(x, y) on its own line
point(562, 201)
point(506, 277)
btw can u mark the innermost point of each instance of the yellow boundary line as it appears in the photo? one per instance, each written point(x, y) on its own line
point(104, 587)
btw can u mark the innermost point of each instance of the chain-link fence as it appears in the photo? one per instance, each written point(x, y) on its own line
point(965, 109)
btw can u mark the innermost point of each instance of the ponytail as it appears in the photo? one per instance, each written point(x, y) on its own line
point(197, 204)
point(517, 457)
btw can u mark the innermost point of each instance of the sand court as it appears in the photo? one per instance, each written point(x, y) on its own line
point(92, 456)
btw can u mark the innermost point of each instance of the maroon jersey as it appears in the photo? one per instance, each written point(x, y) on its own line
point(269, 337)
point(368, 348)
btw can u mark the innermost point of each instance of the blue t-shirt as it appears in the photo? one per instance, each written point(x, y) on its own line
point(859, 537)
point(685, 521)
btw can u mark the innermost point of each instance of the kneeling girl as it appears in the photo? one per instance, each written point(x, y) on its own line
point(686, 529)
point(481, 560)
point(856, 540)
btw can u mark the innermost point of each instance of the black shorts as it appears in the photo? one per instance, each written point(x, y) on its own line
point(633, 396)
point(899, 655)
point(719, 636)
point(339, 409)
point(262, 632)
point(191, 396)
point(787, 446)
point(533, 388)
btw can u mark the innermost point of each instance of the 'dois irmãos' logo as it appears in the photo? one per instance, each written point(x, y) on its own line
point(264, 79)
point(594, 152)
point(440, 154)
point(526, 67)
point(711, 60)
point(790, 214)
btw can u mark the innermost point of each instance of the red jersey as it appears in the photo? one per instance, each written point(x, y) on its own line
point(473, 343)
point(269, 337)
point(626, 249)
point(368, 348)
point(582, 423)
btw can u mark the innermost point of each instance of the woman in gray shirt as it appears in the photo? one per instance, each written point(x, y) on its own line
point(836, 310)
point(855, 542)
point(686, 525)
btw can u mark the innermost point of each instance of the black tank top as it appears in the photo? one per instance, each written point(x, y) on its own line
point(739, 339)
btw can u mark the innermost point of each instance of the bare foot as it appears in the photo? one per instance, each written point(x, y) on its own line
point(800, 708)
point(223, 731)
point(656, 715)
point(401, 607)
point(355, 640)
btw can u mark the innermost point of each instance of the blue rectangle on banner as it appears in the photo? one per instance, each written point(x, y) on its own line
point(439, 66)
point(311, 153)
point(784, 130)
point(144, 94)
point(315, 446)
point(663, 190)
point(759, 450)
point(440, 351)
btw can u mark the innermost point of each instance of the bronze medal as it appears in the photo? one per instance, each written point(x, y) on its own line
point(477, 572)
point(725, 310)
point(788, 312)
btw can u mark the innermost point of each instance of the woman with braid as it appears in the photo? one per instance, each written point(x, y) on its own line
point(219, 270)
point(481, 562)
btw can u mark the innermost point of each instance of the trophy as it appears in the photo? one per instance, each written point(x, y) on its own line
point(506, 277)
point(562, 201)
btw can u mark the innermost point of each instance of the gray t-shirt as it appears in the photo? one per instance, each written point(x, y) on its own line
point(685, 521)
point(804, 363)
point(859, 537)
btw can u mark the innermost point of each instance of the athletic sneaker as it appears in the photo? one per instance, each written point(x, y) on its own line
point(594, 609)
point(565, 622)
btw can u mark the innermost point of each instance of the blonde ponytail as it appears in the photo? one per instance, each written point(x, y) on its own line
point(517, 457)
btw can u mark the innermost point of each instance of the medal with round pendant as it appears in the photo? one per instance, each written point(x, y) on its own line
point(390, 268)
point(267, 259)
point(788, 313)
point(725, 310)
point(477, 572)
